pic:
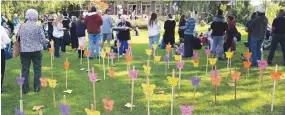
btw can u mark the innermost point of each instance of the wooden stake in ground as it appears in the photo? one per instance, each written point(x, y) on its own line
point(168, 49)
point(179, 65)
point(20, 81)
point(103, 55)
point(118, 44)
point(112, 56)
point(133, 75)
point(262, 64)
point(275, 76)
point(44, 85)
point(93, 78)
point(216, 80)
point(236, 76)
point(52, 84)
point(195, 82)
point(172, 81)
point(66, 66)
point(166, 60)
point(248, 63)
point(229, 55)
point(207, 52)
point(87, 53)
point(108, 51)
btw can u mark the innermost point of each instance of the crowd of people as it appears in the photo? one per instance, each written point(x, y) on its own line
point(63, 30)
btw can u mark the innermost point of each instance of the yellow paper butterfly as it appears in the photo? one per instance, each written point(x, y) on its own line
point(90, 112)
point(148, 89)
point(148, 52)
point(177, 57)
point(196, 62)
point(51, 43)
point(147, 69)
point(229, 54)
point(213, 61)
point(154, 46)
point(172, 81)
point(108, 49)
point(157, 58)
point(103, 54)
point(52, 83)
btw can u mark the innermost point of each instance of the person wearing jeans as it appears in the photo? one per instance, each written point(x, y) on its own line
point(124, 35)
point(94, 40)
point(153, 30)
point(58, 44)
point(32, 39)
point(189, 36)
point(124, 45)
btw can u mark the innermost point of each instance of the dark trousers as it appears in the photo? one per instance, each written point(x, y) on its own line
point(3, 64)
point(58, 43)
point(277, 38)
point(188, 45)
point(26, 59)
point(50, 37)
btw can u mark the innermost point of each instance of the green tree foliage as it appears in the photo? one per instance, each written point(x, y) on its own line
point(242, 11)
point(271, 11)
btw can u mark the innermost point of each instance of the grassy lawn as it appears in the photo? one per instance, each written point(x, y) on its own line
point(249, 101)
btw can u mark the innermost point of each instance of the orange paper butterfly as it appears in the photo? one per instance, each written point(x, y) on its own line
point(43, 82)
point(87, 53)
point(216, 80)
point(276, 75)
point(111, 73)
point(81, 47)
point(129, 58)
point(108, 104)
point(131, 44)
point(168, 47)
point(66, 65)
point(246, 64)
point(196, 62)
point(51, 50)
point(236, 75)
point(247, 55)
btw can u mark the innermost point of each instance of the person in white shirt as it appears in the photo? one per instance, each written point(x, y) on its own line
point(5, 40)
point(209, 38)
point(153, 30)
point(58, 32)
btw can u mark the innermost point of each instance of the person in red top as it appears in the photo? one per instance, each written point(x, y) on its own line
point(93, 22)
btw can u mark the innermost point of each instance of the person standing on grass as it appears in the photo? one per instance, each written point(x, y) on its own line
point(58, 32)
point(66, 31)
point(253, 15)
point(93, 22)
point(80, 33)
point(32, 39)
point(153, 30)
point(169, 30)
point(107, 27)
point(74, 39)
point(230, 34)
point(258, 27)
point(278, 30)
point(219, 27)
point(181, 26)
point(124, 35)
point(189, 36)
point(5, 40)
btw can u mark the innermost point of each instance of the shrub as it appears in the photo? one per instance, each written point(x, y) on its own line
point(140, 23)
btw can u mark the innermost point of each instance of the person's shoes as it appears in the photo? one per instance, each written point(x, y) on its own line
point(221, 59)
point(37, 89)
point(26, 91)
point(3, 92)
point(57, 57)
point(91, 58)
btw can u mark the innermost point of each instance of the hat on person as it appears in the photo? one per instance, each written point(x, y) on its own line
point(93, 9)
point(260, 10)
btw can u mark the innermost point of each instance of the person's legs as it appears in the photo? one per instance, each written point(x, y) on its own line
point(220, 46)
point(151, 41)
point(248, 42)
point(156, 40)
point(191, 45)
point(91, 44)
point(37, 63)
point(274, 44)
point(56, 47)
point(3, 64)
point(26, 62)
point(104, 39)
point(253, 46)
point(215, 44)
point(282, 43)
point(62, 45)
point(258, 50)
point(97, 43)
point(186, 46)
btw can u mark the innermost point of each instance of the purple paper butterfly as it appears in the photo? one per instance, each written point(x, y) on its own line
point(195, 55)
point(20, 80)
point(186, 110)
point(262, 64)
point(180, 50)
point(195, 81)
point(133, 74)
point(207, 51)
point(112, 55)
point(92, 77)
point(64, 109)
point(179, 65)
point(214, 73)
point(18, 112)
point(166, 58)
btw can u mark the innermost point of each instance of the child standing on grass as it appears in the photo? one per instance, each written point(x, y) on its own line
point(153, 30)
point(80, 33)
point(124, 35)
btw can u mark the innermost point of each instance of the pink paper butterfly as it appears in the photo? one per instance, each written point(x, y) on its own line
point(128, 51)
point(195, 55)
point(92, 77)
point(262, 64)
point(133, 74)
point(179, 65)
point(186, 110)
point(112, 55)
point(214, 73)
point(207, 51)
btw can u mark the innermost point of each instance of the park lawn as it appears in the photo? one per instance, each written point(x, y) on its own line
point(249, 101)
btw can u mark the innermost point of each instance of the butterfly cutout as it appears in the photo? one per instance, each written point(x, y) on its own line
point(154, 46)
point(64, 109)
point(148, 52)
point(157, 58)
point(246, 64)
point(51, 50)
point(131, 44)
point(166, 58)
point(51, 43)
point(177, 57)
point(128, 51)
point(20, 80)
point(147, 69)
point(180, 64)
point(195, 81)
point(36, 108)
point(180, 50)
point(262, 64)
point(108, 49)
point(195, 55)
point(118, 44)
point(91, 112)
point(172, 81)
point(236, 75)
point(111, 73)
point(276, 75)
point(112, 55)
point(81, 47)
point(44, 82)
point(213, 61)
point(66, 65)
point(229, 54)
point(103, 54)
point(248, 55)
point(68, 91)
point(207, 51)
point(186, 110)
point(133, 74)
point(196, 62)
point(18, 112)
point(168, 47)
point(216, 80)
point(148, 89)
point(87, 53)
point(92, 77)
point(52, 83)
point(214, 73)
point(129, 58)
point(108, 104)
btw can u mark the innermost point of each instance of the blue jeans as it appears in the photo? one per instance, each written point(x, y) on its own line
point(255, 45)
point(58, 42)
point(153, 40)
point(218, 45)
point(124, 45)
point(94, 40)
point(188, 45)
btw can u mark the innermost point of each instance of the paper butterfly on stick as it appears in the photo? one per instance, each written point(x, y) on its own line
point(81, 47)
point(147, 69)
point(103, 54)
point(131, 44)
point(107, 49)
point(248, 55)
point(214, 73)
point(129, 58)
point(196, 62)
point(195, 81)
point(52, 83)
point(133, 74)
point(229, 54)
point(108, 104)
point(180, 50)
point(172, 81)
point(148, 89)
point(180, 65)
point(66, 65)
point(18, 112)
point(157, 58)
point(213, 61)
point(91, 112)
point(128, 51)
point(186, 110)
point(246, 64)
point(51, 50)
point(118, 44)
point(20, 80)
point(195, 55)
point(112, 55)
point(168, 47)
point(64, 109)
point(154, 46)
point(87, 53)
point(216, 80)
point(207, 51)
point(177, 57)
point(276, 75)
point(262, 64)
point(236, 75)
point(43, 82)
point(166, 58)
point(148, 52)
point(111, 73)
point(92, 77)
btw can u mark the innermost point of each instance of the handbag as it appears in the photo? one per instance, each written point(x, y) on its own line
point(16, 46)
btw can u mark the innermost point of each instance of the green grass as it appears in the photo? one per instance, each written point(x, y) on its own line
point(249, 101)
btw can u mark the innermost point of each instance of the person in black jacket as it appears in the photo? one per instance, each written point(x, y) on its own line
point(124, 35)
point(74, 39)
point(66, 25)
point(181, 26)
point(169, 27)
point(218, 26)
